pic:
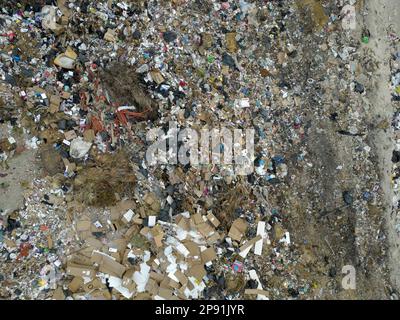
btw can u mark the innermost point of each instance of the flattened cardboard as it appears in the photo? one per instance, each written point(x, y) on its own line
point(55, 102)
point(115, 213)
point(184, 223)
point(80, 270)
point(250, 243)
point(158, 239)
point(119, 244)
point(121, 208)
point(256, 291)
point(208, 255)
point(165, 283)
point(103, 294)
point(213, 219)
point(130, 232)
point(198, 218)
point(144, 231)
point(108, 265)
point(165, 293)
point(89, 135)
point(92, 285)
point(70, 135)
point(197, 271)
point(152, 287)
point(58, 294)
point(193, 248)
point(137, 220)
point(238, 229)
point(205, 229)
point(49, 241)
point(75, 284)
point(156, 276)
point(181, 277)
point(174, 284)
point(93, 242)
point(82, 259)
point(213, 238)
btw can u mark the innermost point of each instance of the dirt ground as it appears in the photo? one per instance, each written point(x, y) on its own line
point(382, 15)
point(329, 234)
point(16, 174)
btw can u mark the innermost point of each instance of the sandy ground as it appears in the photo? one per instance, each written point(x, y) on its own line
point(382, 14)
point(20, 171)
point(22, 168)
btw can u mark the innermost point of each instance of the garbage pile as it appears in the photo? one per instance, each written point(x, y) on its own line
point(85, 81)
point(395, 87)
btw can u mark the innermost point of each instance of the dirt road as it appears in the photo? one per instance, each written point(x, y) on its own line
point(381, 15)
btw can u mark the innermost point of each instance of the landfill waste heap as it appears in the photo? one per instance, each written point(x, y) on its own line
point(84, 216)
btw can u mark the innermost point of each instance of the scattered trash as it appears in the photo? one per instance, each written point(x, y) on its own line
point(347, 198)
point(66, 60)
point(79, 148)
point(84, 82)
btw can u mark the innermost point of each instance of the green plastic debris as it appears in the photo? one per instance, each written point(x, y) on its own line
point(365, 39)
point(210, 59)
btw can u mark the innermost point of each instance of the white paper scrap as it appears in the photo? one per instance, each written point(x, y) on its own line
point(128, 215)
point(152, 221)
point(141, 278)
point(253, 275)
point(259, 244)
